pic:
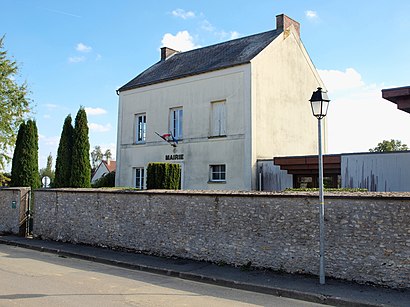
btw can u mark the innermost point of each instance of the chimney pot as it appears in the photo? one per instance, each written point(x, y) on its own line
point(283, 22)
point(166, 53)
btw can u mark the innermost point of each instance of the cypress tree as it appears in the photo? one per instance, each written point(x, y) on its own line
point(16, 164)
point(35, 182)
point(25, 158)
point(64, 155)
point(81, 167)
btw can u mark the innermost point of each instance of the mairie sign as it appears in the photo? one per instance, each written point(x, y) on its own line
point(174, 157)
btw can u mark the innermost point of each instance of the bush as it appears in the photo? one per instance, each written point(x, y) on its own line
point(107, 180)
point(164, 176)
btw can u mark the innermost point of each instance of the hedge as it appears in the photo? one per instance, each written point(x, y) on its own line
point(164, 176)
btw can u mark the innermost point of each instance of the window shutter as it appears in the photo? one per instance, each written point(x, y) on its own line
point(218, 119)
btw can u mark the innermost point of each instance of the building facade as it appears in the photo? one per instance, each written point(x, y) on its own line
point(221, 108)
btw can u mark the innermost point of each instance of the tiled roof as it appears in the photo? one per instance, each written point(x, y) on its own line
point(110, 166)
point(227, 54)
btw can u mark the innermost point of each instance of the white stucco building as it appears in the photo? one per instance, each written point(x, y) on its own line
point(227, 105)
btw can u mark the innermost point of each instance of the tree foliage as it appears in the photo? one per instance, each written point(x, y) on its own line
point(14, 105)
point(24, 172)
point(48, 171)
point(96, 157)
point(64, 155)
point(108, 154)
point(164, 176)
point(392, 145)
point(81, 168)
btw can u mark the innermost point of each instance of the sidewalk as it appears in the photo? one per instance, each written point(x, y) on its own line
point(335, 292)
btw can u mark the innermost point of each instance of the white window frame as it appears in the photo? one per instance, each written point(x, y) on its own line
point(218, 118)
point(140, 128)
point(217, 169)
point(176, 120)
point(139, 181)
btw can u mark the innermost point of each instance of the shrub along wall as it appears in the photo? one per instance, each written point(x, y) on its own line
point(367, 238)
point(164, 176)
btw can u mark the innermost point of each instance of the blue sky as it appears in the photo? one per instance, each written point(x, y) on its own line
point(77, 53)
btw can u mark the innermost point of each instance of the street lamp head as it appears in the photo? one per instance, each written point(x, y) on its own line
point(320, 103)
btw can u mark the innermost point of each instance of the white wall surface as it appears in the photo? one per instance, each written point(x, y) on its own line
point(195, 95)
point(283, 80)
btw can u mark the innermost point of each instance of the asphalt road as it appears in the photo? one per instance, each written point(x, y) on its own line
point(32, 278)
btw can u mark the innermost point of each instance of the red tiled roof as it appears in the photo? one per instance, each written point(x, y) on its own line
point(111, 166)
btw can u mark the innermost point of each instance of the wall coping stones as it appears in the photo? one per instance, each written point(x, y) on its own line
point(291, 194)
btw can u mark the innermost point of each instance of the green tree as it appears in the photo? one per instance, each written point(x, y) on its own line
point(48, 171)
point(14, 105)
point(24, 170)
point(108, 154)
point(81, 168)
point(64, 155)
point(96, 157)
point(392, 145)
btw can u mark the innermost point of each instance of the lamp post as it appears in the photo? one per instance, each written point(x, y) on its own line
point(319, 103)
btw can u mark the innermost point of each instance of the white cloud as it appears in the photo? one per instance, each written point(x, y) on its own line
point(336, 80)
point(221, 34)
point(95, 111)
point(49, 141)
point(46, 116)
point(182, 41)
point(83, 48)
point(99, 128)
point(98, 57)
point(76, 59)
point(234, 34)
point(183, 14)
point(358, 117)
point(311, 15)
point(207, 26)
point(51, 106)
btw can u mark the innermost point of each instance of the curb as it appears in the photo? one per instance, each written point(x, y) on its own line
point(275, 291)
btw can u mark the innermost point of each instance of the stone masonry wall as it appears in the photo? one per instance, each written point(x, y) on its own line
point(12, 208)
point(367, 238)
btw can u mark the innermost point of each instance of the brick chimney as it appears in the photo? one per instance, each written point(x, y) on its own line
point(283, 22)
point(166, 53)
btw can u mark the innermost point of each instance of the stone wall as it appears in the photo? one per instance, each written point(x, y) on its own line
point(367, 238)
point(13, 203)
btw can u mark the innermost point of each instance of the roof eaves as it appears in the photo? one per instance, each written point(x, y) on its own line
point(127, 88)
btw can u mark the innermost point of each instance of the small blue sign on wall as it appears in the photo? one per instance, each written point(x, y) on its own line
point(13, 204)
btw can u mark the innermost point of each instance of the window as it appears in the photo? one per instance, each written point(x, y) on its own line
point(140, 128)
point(175, 123)
point(139, 178)
point(217, 173)
point(218, 119)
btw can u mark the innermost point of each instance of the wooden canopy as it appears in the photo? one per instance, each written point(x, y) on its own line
point(308, 165)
